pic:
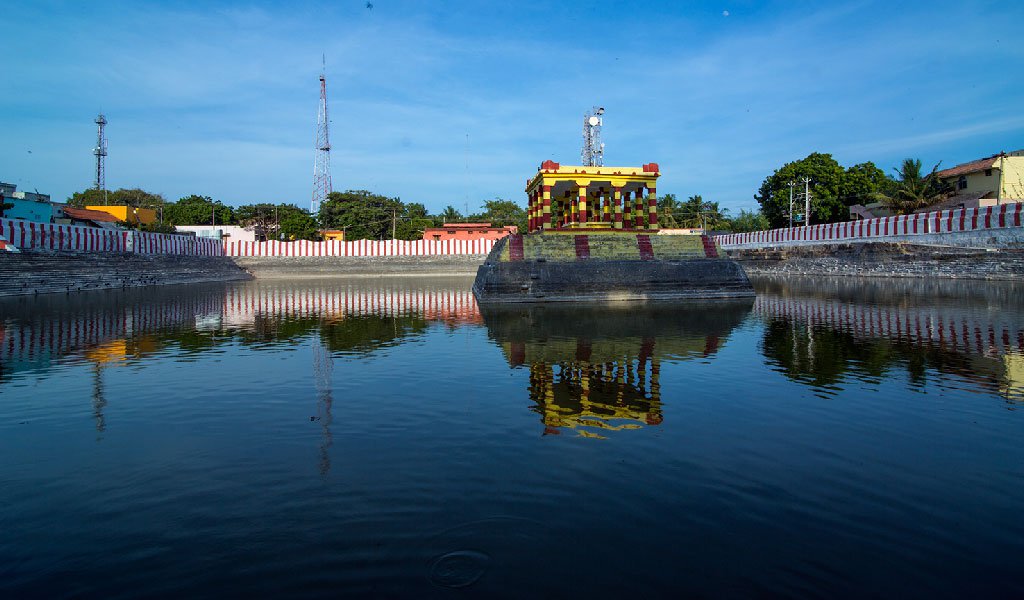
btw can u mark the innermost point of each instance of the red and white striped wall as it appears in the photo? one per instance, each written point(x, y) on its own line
point(360, 248)
point(49, 236)
point(977, 331)
point(944, 221)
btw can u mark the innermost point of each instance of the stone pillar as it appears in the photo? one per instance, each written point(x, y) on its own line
point(617, 199)
point(638, 211)
point(568, 209)
point(606, 208)
point(652, 208)
point(546, 208)
point(529, 210)
point(581, 209)
point(627, 205)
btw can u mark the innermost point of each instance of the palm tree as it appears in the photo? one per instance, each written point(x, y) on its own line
point(667, 207)
point(914, 191)
point(450, 215)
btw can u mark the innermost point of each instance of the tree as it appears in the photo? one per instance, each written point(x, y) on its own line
point(295, 223)
point(502, 213)
point(361, 214)
point(913, 191)
point(826, 176)
point(862, 183)
point(198, 210)
point(262, 219)
point(698, 213)
point(668, 208)
point(134, 197)
point(450, 215)
point(749, 221)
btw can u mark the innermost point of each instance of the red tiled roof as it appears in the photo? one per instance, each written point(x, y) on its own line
point(84, 214)
point(971, 167)
point(467, 225)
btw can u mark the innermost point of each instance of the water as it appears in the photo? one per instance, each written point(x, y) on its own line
point(830, 438)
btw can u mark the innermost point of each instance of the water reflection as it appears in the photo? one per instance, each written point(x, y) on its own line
point(824, 331)
point(595, 370)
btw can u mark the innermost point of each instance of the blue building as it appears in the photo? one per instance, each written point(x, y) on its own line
point(30, 206)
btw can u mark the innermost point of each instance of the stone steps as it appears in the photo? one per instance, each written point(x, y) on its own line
point(569, 247)
point(39, 272)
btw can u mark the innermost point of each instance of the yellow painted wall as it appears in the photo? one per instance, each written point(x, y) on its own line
point(334, 234)
point(1013, 177)
point(128, 214)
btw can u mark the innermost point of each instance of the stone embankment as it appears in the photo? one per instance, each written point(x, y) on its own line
point(319, 267)
point(40, 272)
point(884, 259)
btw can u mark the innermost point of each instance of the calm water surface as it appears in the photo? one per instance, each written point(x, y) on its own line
point(830, 438)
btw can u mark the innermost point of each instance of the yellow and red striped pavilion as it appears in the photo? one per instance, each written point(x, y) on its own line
point(575, 197)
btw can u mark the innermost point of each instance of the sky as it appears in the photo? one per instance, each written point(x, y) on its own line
point(454, 103)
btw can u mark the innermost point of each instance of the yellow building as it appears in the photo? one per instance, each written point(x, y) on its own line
point(334, 235)
point(128, 214)
point(570, 197)
point(986, 181)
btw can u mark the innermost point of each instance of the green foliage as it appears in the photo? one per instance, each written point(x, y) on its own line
point(749, 221)
point(156, 227)
point(501, 213)
point(668, 210)
point(826, 176)
point(198, 210)
point(133, 197)
point(262, 219)
point(364, 215)
point(450, 215)
point(296, 223)
point(913, 191)
point(833, 189)
point(695, 212)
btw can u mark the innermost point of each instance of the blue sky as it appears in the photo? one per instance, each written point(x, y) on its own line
point(220, 99)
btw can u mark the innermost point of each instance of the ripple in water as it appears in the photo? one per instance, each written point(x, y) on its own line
point(459, 569)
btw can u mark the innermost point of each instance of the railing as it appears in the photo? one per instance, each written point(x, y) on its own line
point(943, 221)
point(361, 248)
point(29, 235)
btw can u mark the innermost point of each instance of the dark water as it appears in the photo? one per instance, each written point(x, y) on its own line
point(831, 438)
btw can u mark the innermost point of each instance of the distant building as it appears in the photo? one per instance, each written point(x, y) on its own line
point(987, 181)
point(331, 235)
point(234, 233)
point(128, 214)
point(29, 206)
point(468, 231)
point(89, 218)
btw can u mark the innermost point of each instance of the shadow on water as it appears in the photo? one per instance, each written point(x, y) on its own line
point(596, 369)
point(825, 331)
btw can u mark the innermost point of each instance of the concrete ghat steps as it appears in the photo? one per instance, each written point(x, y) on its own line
point(564, 247)
point(34, 272)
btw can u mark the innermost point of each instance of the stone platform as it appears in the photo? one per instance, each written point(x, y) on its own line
point(607, 266)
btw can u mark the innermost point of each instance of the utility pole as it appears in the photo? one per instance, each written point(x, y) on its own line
point(807, 201)
point(791, 184)
point(394, 221)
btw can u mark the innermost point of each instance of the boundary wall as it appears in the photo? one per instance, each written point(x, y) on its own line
point(359, 248)
point(49, 236)
point(878, 229)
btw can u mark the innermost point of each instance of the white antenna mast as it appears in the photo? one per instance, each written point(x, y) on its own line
point(593, 148)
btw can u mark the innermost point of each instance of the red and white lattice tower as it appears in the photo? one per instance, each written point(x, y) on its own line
point(322, 160)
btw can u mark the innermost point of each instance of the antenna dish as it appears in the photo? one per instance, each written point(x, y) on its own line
point(593, 121)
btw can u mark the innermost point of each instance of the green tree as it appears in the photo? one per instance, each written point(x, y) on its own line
point(198, 210)
point(450, 215)
point(912, 190)
point(668, 209)
point(749, 221)
point(261, 219)
point(698, 213)
point(296, 223)
point(134, 197)
point(361, 214)
point(502, 213)
point(826, 176)
point(862, 183)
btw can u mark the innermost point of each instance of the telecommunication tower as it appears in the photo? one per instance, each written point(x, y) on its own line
point(593, 147)
point(322, 145)
point(100, 151)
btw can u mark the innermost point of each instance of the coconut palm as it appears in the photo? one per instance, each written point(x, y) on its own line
point(668, 207)
point(913, 191)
